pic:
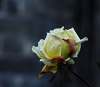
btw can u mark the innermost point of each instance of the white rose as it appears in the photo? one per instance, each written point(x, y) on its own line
point(59, 46)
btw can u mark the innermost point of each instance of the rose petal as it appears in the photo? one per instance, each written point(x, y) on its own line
point(40, 52)
point(48, 62)
point(72, 34)
point(53, 61)
point(56, 31)
point(53, 46)
point(73, 47)
point(58, 59)
point(47, 68)
point(65, 50)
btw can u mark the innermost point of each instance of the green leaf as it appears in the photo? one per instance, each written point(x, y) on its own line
point(66, 68)
point(60, 66)
point(52, 78)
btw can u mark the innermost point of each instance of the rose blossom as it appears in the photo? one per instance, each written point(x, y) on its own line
point(59, 46)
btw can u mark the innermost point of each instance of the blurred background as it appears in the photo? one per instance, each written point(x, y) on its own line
point(24, 22)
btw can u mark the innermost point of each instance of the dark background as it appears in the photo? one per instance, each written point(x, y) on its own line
point(24, 22)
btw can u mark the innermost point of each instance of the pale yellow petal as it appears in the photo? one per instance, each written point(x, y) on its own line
point(47, 68)
point(59, 32)
point(81, 41)
point(73, 47)
point(53, 46)
point(63, 35)
point(48, 62)
point(65, 50)
point(46, 39)
point(72, 34)
point(41, 43)
point(56, 31)
point(40, 52)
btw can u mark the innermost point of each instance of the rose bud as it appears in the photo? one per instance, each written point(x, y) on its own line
point(59, 46)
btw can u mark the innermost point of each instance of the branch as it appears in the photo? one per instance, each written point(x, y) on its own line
point(77, 75)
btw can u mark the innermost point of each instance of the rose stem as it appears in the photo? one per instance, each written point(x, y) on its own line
point(81, 78)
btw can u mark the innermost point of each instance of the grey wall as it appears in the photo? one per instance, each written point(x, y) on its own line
point(24, 22)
